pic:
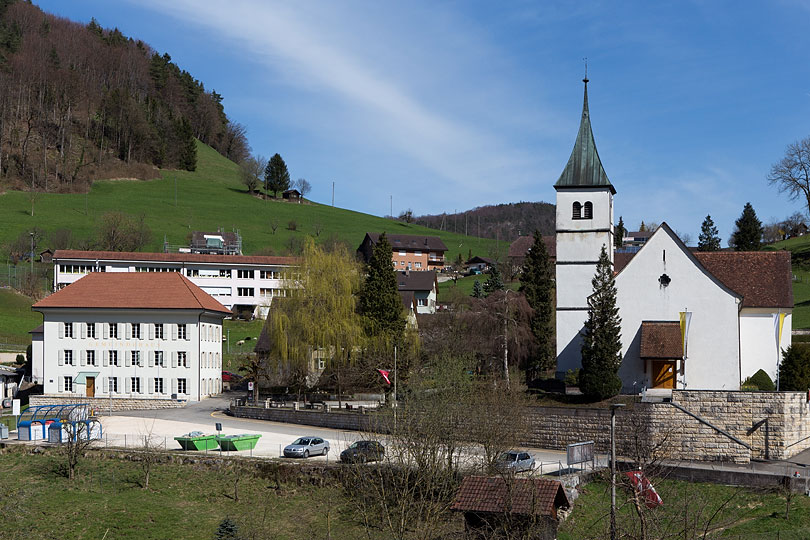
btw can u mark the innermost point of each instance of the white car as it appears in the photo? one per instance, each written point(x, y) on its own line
point(304, 447)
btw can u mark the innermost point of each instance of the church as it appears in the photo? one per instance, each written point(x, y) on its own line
point(690, 320)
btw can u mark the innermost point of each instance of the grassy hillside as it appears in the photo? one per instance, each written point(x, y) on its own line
point(210, 197)
point(799, 248)
point(16, 319)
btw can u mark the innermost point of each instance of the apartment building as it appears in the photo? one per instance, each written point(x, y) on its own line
point(244, 284)
point(408, 251)
point(130, 335)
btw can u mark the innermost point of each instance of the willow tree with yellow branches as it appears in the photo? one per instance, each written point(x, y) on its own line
point(317, 317)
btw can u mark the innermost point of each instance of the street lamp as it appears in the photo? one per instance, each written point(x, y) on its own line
point(613, 408)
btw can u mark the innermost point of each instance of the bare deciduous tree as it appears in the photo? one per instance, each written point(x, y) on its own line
point(791, 174)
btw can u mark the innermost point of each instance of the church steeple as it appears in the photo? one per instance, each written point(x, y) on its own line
point(584, 168)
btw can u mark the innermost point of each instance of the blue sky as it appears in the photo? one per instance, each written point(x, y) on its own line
point(450, 105)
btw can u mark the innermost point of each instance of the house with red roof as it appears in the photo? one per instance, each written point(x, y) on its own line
point(130, 335)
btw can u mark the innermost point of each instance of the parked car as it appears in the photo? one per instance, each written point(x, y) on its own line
point(515, 461)
point(307, 446)
point(227, 376)
point(363, 451)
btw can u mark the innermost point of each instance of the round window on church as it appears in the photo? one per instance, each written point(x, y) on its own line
point(664, 280)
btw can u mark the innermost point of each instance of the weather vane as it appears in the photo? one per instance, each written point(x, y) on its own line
point(585, 80)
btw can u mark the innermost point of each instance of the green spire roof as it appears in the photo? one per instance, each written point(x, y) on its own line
point(584, 169)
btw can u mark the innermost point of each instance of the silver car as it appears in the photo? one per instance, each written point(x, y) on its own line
point(304, 447)
point(515, 461)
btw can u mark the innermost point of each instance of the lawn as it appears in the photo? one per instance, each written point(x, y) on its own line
point(16, 320)
point(236, 331)
point(183, 501)
point(741, 513)
point(464, 285)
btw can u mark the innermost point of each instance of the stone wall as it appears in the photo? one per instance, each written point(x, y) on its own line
point(102, 405)
point(333, 420)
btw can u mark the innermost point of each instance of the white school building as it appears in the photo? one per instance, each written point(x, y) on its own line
point(690, 320)
point(130, 335)
point(242, 283)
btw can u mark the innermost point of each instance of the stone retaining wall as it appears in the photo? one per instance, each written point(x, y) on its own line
point(102, 405)
point(333, 420)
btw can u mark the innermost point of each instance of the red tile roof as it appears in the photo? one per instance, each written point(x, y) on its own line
point(411, 241)
point(73, 254)
point(520, 247)
point(661, 339)
point(132, 290)
point(762, 278)
point(528, 496)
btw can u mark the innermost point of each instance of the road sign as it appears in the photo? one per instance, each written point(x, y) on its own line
point(250, 386)
point(579, 453)
point(15, 407)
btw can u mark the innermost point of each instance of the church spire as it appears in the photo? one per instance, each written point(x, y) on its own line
point(584, 168)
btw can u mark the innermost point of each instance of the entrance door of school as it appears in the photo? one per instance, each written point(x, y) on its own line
point(91, 387)
point(663, 372)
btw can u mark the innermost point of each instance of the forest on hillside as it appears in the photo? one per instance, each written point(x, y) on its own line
point(500, 221)
point(80, 102)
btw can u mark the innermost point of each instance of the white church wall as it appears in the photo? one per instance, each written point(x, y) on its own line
point(713, 349)
point(600, 197)
point(569, 342)
point(758, 341)
point(574, 284)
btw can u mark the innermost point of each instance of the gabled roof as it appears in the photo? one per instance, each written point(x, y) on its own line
point(661, 339)
point(762, 279)
point(584, 168)
point(411, 241)
point(477, 259)
point(136, 256)
point(527, 496)
point(416, 281)
point(132, 290)
point(408, 300)
point(520, 247)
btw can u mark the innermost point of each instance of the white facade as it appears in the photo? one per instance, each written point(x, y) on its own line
point(136, 353)
point(713, 344)
point(235, 281)
point(758, 340)
point(580, 238)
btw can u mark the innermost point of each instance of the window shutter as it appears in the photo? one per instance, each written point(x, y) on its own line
point(120, 327)
point(106, 384)
point(151, 360)
point(61, 359)
point(174, 358)
point(151, 385)
point(127, 360)
point(129, 330)
point(83, 357)
point(106, 358)
point(174, 332)
point(174, 386)
point(151, 331)
point(61, 330)
point(105, 330)
point(188, 332)
point(83, 327)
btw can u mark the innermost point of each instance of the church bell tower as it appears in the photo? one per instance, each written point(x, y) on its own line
point(584, 224)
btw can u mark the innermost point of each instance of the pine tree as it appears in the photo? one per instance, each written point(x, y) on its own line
point(227, 530)
point(187, 145)
point(478, 291)
point(748, 231)
point(380, 302)
point(537, 284)
point(794, 371)
point(642, 227)
point(601, 339)
point(276, 176)
point(494, 282)
point(619, 234)
point(708, 239)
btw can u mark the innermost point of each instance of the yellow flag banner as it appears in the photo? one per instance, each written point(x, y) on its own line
point(778, 324)
point(686, 318)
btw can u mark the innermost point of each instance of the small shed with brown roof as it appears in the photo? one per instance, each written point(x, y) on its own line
point(492, 504)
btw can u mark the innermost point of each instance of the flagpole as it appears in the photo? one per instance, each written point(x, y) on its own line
point(778, 315)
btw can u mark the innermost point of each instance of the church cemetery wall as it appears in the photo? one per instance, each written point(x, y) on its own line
point(103, 405)
point(641, 427)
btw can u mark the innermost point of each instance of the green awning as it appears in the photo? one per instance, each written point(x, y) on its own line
point(81, 378)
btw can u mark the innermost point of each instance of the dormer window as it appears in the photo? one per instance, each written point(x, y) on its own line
point(588, 210)
point(577, 213)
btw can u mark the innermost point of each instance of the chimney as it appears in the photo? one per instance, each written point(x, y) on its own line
point(408, 271)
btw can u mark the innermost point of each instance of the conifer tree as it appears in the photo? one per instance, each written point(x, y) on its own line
point(227, 530)
point(537, 284)
point(748, 231)
point(494, 282)
point(187, 145)
point(708, 240)
point(601, 338)
point(276, 176)
point(794, 370)
point(478, 291)
point(619, 234)
point(380, 302)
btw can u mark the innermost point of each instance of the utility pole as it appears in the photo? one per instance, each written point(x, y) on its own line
point(392, 207)
point(613, 469)
point(175, 190)
point(333, 194)
point(32, 254)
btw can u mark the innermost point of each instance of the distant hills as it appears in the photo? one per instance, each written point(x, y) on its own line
point(80, 102)
point(500, 221)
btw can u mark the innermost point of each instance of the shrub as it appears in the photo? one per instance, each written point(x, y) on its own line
point(759, 381)
point(20, 359)
point(572, 377)
point(794, 371)
point(292, 225)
